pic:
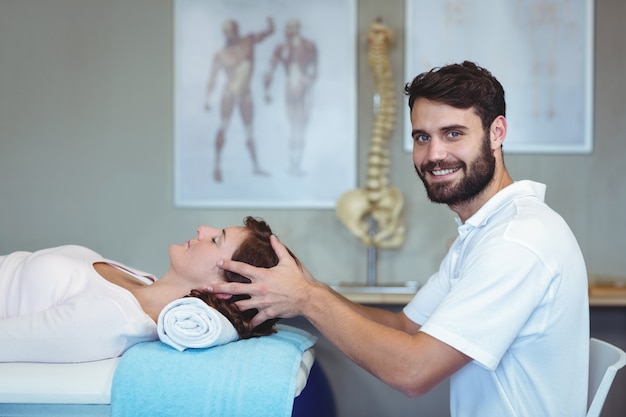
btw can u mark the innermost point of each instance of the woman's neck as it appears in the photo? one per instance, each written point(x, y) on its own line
point(153, 298)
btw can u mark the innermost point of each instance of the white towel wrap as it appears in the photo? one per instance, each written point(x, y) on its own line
point(190, 323)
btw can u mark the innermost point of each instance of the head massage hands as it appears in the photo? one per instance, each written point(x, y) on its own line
point(280, 291)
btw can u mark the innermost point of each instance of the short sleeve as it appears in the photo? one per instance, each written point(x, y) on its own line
point(494, 299)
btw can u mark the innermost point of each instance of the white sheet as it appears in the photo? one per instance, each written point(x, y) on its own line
point(80, 383)
point(57, 383)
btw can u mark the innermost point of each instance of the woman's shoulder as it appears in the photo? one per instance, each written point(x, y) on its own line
point(14, 261)
point(71, 251)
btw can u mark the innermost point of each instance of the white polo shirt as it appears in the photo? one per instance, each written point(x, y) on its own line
point(512, 294)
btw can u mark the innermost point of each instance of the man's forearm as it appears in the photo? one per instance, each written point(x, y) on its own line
point(378, 315)
point(357, 332)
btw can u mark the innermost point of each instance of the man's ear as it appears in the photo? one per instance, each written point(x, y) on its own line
point(498, 132)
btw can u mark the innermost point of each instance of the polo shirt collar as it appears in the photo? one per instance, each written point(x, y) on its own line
point(500, 200)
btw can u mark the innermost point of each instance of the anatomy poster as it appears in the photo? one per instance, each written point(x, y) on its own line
point(540, 50)
point(265, 102)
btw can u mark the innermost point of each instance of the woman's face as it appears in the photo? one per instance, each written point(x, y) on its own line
point(196, 259)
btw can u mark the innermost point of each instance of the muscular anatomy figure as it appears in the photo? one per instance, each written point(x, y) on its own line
point(298, 56)
point(236, 60)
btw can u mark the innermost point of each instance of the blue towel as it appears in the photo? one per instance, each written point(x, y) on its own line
point(251, 377)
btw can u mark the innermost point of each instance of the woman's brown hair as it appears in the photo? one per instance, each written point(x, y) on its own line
point(255, 250)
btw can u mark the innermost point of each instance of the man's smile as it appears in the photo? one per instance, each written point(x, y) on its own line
point(442, 172)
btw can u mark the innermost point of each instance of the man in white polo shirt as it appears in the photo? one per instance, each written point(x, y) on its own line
point(506, 317)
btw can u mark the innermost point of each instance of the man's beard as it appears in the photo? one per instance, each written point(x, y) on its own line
point(476, 179)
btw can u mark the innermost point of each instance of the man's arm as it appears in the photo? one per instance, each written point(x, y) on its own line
point(411, 363)
point(386, 344)
point(398, 321)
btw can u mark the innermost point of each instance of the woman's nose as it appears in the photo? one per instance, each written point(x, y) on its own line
point(204, 231)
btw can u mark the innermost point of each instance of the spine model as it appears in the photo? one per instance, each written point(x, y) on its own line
point(372, 214)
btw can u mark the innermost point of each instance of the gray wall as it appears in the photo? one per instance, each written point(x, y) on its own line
point(86, 152)
point(86, 122)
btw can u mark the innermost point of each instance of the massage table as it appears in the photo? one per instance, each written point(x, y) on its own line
point(84, 389)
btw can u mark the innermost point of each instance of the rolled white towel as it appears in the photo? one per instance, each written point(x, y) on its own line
point(190, 323)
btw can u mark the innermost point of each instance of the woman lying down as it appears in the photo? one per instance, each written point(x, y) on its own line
point(69, 304)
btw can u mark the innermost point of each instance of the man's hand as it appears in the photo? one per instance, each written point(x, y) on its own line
point(280, 291)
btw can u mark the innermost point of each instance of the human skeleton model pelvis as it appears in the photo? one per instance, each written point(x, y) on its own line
point(377, 201)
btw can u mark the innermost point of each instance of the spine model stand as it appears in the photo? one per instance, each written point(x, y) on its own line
point(372, 214)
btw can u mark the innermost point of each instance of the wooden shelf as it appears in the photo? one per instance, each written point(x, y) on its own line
point(603, 292)
point(377, 298)
point(607, 291)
